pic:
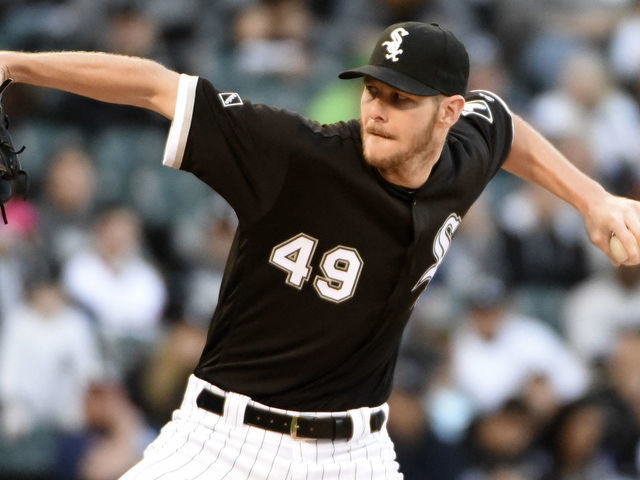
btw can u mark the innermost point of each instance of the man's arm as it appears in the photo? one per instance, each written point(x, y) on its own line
point(533, 158)
point(101, 76)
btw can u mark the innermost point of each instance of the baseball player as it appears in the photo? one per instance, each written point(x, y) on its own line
point(341, 228)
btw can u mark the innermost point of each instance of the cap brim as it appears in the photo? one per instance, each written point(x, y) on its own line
point(391, 77)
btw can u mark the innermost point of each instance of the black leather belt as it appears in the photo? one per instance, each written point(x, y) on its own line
point(298, 426)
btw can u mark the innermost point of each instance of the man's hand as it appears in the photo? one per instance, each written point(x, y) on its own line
point(535, 159)
point(618, 215)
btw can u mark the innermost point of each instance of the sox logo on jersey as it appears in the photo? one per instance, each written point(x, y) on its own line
point(393, 45)
point(441, 245)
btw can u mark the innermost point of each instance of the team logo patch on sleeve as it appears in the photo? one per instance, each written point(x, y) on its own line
point(230, 99)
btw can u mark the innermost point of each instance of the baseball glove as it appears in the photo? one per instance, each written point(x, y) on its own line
point(13, 180)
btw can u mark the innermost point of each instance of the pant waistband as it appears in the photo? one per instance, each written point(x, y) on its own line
point(298, 426)
point(241, 409)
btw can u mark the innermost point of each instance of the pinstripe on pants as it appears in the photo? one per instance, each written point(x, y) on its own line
point(197, 444)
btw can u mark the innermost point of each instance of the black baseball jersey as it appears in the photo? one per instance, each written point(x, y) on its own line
point(329, 258)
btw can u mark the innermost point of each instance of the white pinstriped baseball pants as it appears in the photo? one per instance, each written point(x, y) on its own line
point(197, 444)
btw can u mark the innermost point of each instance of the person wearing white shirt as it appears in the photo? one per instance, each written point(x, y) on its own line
point(123, 292)
point(48, 358)
point(496, 352)
point(114, 282)
point(596, 311)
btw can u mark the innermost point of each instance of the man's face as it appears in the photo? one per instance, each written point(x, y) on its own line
point(396, 126)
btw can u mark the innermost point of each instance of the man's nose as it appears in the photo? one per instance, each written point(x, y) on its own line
point(378, 110)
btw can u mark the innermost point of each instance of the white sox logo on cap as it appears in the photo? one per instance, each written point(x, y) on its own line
point(393, 45)
point(433, 60)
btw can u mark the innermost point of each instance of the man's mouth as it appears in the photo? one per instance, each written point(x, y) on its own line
point(379, 133)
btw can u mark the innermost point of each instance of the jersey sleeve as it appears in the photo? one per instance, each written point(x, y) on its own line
point(489, 116)
point(239, 149)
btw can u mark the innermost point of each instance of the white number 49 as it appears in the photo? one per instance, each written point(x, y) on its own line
point(340, 267)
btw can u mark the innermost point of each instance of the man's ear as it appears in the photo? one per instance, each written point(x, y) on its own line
point(451, 109)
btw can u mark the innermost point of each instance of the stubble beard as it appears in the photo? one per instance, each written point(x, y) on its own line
point(418, 147)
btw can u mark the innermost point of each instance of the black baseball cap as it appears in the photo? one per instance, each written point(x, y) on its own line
point(417, 58)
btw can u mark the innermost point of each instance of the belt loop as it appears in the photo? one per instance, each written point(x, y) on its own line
point(194, 387)
point(385, 410)
point(234, 407)
point(360, 427)
point(366, 419)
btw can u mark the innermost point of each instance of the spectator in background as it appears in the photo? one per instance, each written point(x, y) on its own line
point(543, 249)
point(20, 254)
point(597, 309)
point(541, 241)
point(540, 40)
point(48, 357)
point(129, 31)
point(67, 205)
point(117, 433)
point(273, 57)
point(575, 444)
point(207, 256)
point(496, 351)
point(488, 71)
point(501, 445)
point(192, 35)
point(53, 24)
point(171, 363)
point(272, 38)
point(541, 400)
point(419, 450)
point(475, 252)
point(123, 27)
point(609, 117)
point(123, 292)
point(620, 398)
point(624, 49)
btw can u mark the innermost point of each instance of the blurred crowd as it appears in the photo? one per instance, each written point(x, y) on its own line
point(522, 360)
